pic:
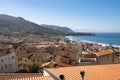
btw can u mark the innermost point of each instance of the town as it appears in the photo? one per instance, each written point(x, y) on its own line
point(18, 54)
point(59, 39)
point(29, 51)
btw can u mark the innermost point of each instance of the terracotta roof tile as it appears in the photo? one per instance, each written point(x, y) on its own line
point(58, 52)
point(64, 64)
point(2, 53)
point(96, 72)
point(23, 76)
point(104, 52)
point(90, 55)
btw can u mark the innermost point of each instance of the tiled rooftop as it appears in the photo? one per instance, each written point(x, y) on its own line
point(23, 76)
point(90, 55)
point(96, 72)
point(58, 52)
point(61, 64)
point(2, 53)
point(104, 52)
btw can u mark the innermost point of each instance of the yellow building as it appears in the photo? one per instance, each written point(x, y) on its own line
point(105, 57)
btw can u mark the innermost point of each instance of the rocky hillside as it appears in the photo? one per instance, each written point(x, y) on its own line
point(19, 24)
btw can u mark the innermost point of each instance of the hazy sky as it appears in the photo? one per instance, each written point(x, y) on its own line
point(79, 15)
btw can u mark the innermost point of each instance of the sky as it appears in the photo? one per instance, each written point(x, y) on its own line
point(79, 15)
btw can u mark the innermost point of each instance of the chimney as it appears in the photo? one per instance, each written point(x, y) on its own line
point(55, 65)
point(82, 73)
point(62, 77)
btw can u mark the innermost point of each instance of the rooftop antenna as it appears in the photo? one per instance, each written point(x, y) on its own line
point(82, 73)
point(62, 77)
point(55, 65)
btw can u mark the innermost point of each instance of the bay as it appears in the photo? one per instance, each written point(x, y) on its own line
point(104, 38)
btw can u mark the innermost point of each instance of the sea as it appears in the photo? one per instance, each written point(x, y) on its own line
point(102, 38)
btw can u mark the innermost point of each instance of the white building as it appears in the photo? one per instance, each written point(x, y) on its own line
point(8, 63)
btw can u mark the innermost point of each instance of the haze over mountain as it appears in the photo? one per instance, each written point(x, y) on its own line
point(63, 29)
point(18, 24)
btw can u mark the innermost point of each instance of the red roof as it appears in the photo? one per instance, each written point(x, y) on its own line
point(90, 55)
point(104, 52)
point(2, 53)
point(23, 76)
point(61, 64)
point(58, 52)
point(96, 72)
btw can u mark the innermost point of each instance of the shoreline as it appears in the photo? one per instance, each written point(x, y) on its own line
point(86, 41)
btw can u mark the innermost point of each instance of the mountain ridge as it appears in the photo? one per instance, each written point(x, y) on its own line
point(19, 24)
point(64, 29)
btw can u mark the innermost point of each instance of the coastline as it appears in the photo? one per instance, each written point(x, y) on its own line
point(86, 41)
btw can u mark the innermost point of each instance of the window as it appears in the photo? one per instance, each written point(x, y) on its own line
point(19, 65)
point(24, 65)
point(103, 56)
point(28, 65)
point(12, 57)
point(18, 59)
point(1, 60)
point(33, 60)
point(68, 54)
point(6, 66)
point(25, 60)
point(63, 49)
point(1, 68)
point(10, 65)
point(37, 60)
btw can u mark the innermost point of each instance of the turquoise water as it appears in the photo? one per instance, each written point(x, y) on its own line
point(105, 38)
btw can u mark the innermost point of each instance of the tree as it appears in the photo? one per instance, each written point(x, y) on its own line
point(50, 50)
point(34, 68)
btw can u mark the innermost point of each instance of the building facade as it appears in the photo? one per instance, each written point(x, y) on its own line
point(8, 63)
point(105, 57)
